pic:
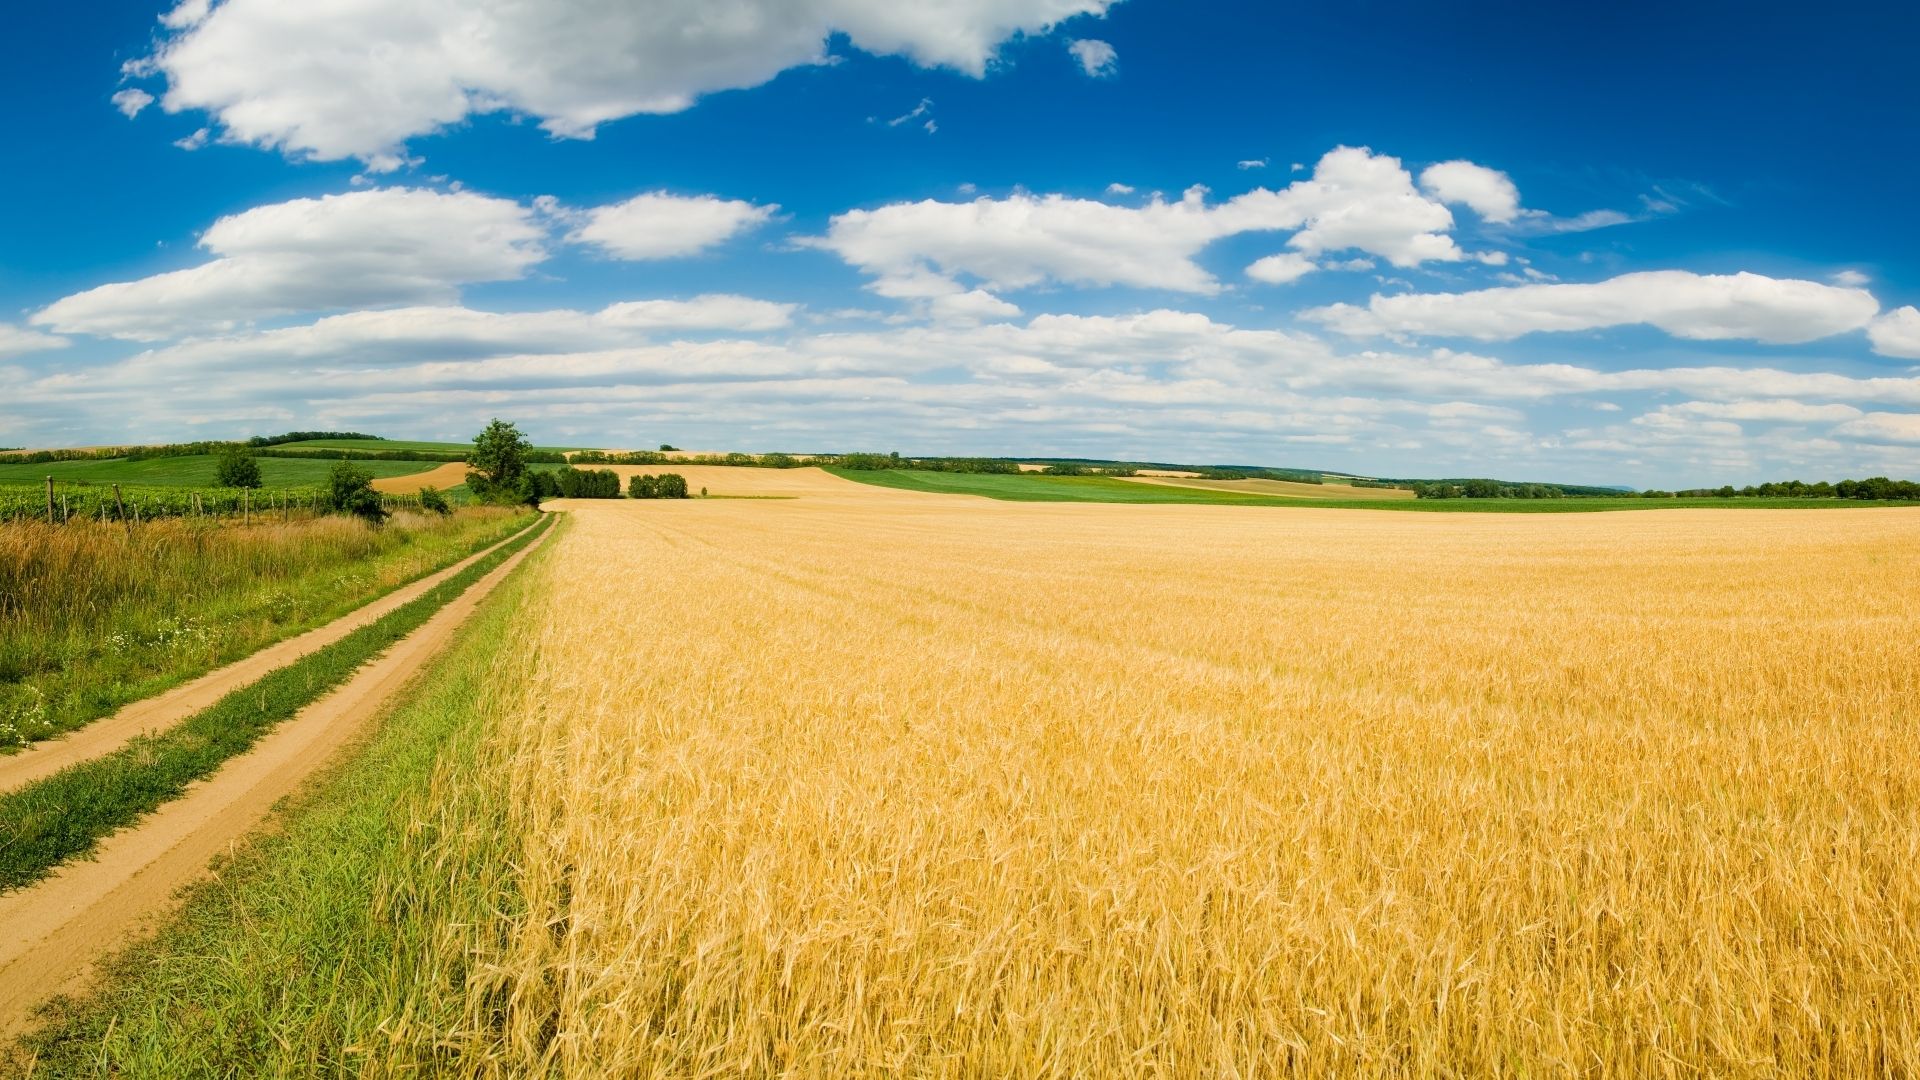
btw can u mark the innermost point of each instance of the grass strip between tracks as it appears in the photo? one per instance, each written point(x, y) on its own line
point(63, 816)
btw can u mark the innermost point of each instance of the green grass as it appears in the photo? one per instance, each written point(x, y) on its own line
point(196, 471)
point(1033, 487)
point(319, 948)
point(98, 616)
point(65, 815)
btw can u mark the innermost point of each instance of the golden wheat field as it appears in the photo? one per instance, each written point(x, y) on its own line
point(872, 783)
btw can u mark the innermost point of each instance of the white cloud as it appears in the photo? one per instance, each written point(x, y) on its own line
point(1024, 240)
point(657, 225)
point(1884, 427)
point(1281, 269)
point(1852, 279)
point(347, 347)
point(1779, 411)
point(367, 248)
point(1897, 333)
point(1700, 307)
point(332, 79)
point(1251, 163)
point(1354, 200)
point(17, 341)
point(923, 109)
point(130, 101)
point(1168, 378)
point(1488, 192)
point(194, 141)
point(1118, 188)
point(1097, 58)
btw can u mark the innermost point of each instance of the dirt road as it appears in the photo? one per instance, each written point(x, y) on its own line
point(162, 711)
point(57, 930)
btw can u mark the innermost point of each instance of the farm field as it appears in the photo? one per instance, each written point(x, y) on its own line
point(886, 783)
point(1032, 487)
point(1284, 488)
point(196, 471)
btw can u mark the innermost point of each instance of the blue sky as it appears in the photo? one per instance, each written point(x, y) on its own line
point(1636, 245)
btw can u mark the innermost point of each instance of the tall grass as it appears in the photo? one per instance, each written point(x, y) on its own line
point(93, 616)
point(922, 788)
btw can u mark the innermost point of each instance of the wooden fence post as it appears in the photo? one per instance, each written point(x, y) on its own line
point(119, 504)
point(66, 513)
point(49, 500)
point(246, 506)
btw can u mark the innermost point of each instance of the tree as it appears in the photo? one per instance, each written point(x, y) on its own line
point(350, 491)
point(498, 458)
point(237, 469)
point(431, 499)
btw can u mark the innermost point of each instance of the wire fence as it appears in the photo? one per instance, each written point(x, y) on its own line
point(63, 502)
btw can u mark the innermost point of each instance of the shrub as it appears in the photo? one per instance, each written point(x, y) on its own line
point(350, 491)
point(664, 486)
point(587, 483)
point(432, 499)
point(237, 469)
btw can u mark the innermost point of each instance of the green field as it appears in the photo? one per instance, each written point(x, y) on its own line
point(1033, 487)
point(196, 471)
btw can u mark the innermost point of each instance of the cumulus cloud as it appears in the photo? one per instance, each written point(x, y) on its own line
point(1488, 192)
point(332, 79)
point(17, 341)
point(1355, 200)
point(1700, 307)
point(1097, 58)
point(1897, 333)
point(1281, 269)
point(658, 225)
point(381, 247)
point(130, 101)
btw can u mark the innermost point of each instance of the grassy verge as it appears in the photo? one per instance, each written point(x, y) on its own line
point(1032, 487)
point(66, 814)
point(322, 947)
point(93, 617)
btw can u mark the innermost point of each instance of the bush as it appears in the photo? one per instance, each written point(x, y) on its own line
point(664, 486)
point(350, 491)
point(237, 469)
point(586, 483)
point(431, 499)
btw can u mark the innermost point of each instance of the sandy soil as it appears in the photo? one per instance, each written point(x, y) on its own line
point(1168, 473)
point(162, 711)
point(58, 929)
point(1282, 488)
point(452, 474)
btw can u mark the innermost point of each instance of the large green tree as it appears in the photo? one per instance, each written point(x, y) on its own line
point(498, 462)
